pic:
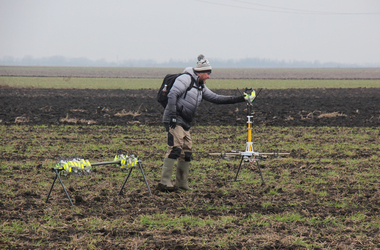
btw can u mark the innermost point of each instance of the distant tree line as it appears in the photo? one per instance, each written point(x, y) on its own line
point(241, 63)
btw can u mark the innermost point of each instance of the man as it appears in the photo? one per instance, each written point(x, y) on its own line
point(177, 118)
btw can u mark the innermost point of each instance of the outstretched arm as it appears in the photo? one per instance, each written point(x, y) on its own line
point(210, 96)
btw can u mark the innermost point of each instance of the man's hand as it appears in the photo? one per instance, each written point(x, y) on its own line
point(173, 122)
point(250, 97)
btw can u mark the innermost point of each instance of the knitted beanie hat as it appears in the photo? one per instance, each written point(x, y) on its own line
point(203, 65)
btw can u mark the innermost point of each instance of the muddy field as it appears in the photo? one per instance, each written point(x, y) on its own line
point(325, 195)
point(289, 107)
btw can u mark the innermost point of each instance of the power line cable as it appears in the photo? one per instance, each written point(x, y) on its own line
point(311, 11)
point(286, 10)
point(282, 8)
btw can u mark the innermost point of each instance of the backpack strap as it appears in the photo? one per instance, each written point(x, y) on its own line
point(190, 86)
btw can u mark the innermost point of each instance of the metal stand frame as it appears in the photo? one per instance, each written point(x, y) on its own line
point(58, 170)
point(52, 185)
point(142, 172)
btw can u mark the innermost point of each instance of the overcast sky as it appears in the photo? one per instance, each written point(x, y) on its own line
point(343, 31)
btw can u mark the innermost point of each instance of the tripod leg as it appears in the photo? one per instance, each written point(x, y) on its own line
point(237, 173)
point(126, 179)
point(68, 196)
point(146, 182)
point(261, 175)
point(51, 189)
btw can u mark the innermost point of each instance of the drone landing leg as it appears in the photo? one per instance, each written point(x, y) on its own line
point(241, 162)
point(258, 166)
point(261, 175)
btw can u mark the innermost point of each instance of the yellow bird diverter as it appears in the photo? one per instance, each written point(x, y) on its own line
point(126, 160)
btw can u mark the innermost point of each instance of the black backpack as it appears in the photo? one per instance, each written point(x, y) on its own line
point(167, 84)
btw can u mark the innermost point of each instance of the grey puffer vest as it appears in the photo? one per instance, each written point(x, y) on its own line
point(184, 104)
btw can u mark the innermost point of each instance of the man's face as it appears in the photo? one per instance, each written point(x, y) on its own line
point(204, 76)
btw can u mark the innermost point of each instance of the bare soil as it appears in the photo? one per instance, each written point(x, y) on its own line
point(339, 212)
point(288, 107)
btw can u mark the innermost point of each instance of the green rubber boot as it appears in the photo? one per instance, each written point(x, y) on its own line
point(166, 174)
point(182, 175)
